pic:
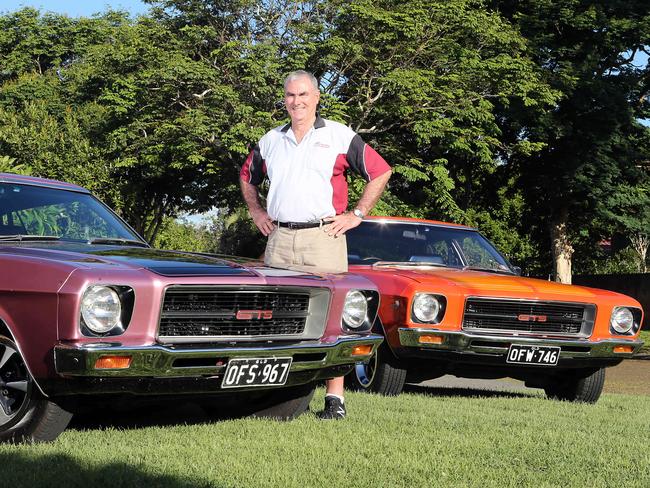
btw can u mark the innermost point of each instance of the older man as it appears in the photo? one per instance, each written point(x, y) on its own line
point(306, 216)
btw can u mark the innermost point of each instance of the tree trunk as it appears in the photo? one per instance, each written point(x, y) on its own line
point(562, 249)
point(640, 244)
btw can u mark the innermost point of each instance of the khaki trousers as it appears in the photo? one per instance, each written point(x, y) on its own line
point(311, 250)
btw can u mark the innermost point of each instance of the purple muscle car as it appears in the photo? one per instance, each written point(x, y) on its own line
point(90, 313)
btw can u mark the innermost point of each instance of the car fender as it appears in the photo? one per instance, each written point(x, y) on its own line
point(6, 329)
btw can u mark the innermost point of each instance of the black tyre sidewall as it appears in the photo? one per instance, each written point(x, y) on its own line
point(38, 419)
point(585, 388)
point(388, 378)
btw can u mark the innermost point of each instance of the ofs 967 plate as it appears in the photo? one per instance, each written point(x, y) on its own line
point(256, 372)
point(527, 354)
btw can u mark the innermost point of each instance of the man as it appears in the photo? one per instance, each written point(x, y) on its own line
point(306, 218)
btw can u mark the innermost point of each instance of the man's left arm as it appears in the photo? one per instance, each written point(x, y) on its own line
point(343, 222)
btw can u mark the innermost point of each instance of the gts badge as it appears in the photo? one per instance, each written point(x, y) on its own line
point(532, 318)
point(254, 314)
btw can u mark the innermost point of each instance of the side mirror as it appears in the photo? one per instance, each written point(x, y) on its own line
point(516, 270)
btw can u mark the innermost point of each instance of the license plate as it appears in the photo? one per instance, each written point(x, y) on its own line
point(527, 354)
point(256, 372)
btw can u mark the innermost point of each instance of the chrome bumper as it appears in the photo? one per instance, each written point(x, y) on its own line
point(182, 361)
point(464, 342)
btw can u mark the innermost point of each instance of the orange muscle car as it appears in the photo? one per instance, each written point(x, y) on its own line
point(451, 304)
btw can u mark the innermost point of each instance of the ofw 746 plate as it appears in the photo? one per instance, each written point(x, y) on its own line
point(529, 354)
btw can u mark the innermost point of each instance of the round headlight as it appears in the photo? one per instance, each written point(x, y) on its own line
point(355, 309)
point(426, 307)
point(622, 320)
point(101, 309)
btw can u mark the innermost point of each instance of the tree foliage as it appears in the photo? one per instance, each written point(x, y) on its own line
point(520, 118)
point(592, 138)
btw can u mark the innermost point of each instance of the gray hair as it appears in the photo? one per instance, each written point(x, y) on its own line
point(294, 75)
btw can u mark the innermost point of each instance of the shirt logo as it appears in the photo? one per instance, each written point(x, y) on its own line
point(321, 144)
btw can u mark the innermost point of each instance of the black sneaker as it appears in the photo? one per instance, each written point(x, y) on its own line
point(334, 409)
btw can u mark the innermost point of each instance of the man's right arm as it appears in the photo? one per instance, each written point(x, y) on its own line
point(252, 174)
point(258, 214)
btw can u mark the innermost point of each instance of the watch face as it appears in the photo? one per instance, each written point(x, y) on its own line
point(358, 213)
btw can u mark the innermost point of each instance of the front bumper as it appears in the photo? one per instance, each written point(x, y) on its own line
point(492, 345)
point(196, 369)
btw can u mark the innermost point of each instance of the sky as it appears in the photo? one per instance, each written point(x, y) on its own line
point(75, 8)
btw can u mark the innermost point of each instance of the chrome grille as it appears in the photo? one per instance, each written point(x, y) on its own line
point(204, 312)
point(534, 317)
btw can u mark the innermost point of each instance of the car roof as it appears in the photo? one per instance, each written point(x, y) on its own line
point(411, 220)
point(44, 182)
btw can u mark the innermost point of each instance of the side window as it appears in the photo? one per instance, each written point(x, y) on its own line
point(10, 224)
point(477, 255)
point(444, 249)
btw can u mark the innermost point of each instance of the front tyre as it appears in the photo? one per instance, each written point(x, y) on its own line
point(380, 375)
point(582, 386)
point(25, 414)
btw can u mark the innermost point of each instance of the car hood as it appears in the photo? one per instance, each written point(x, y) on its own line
point(479, 283)
point(165, 263)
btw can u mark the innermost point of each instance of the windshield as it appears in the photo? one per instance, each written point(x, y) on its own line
point(421, 243)
point(68, 215)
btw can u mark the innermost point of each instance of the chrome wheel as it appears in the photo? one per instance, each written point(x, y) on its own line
point(15, 385)
point(365, 373)
point(383, 374)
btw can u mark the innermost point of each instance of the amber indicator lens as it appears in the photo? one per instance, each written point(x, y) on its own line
point(113, 362)
point(364, 350)
point(627, 349)
point(431, 339)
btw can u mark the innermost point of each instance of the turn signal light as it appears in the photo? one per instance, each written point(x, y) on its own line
point(627, 349)
point(113, 362)
point(431, 339)
point(365, 350)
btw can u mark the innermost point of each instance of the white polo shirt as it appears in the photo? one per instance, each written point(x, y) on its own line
point(307, 180)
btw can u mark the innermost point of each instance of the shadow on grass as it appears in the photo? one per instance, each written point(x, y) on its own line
point(33, 471)
point(464, 392)
point(137, 418)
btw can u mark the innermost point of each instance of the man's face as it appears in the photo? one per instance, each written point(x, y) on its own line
point(301, 99)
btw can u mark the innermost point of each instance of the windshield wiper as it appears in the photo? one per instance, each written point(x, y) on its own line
point(488, 270)
point(117, 240)
point(410, 263)
point(29, 237)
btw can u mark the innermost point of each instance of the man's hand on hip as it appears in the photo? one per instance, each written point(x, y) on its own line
point(337, 226)
point(263, 222)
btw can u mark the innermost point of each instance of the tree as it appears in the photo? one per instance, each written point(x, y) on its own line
point(183, 235)
point(591, 138)
point(40, 126)
point(420, 80)
point(629, 210)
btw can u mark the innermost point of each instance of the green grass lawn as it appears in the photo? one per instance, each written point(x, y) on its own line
point(415, 440)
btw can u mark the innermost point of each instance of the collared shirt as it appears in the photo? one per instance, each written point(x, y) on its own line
point(307, 179)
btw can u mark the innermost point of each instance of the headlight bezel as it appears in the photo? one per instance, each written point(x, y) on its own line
point(126, 299)
point(371, 298)
point(441, 310)
point(634, 327)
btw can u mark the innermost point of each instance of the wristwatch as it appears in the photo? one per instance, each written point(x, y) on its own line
point(358, 213)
